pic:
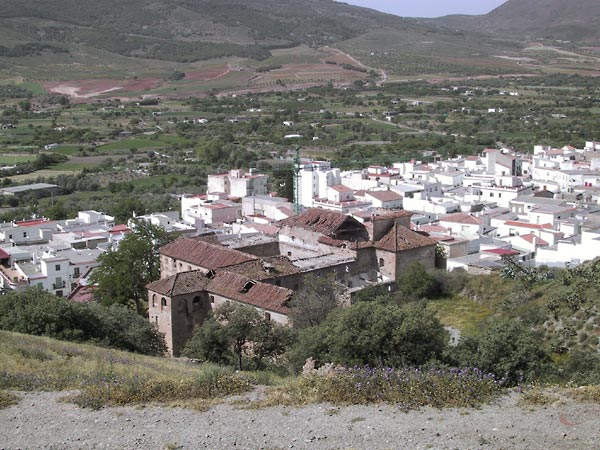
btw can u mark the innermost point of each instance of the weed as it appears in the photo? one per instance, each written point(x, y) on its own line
point(8, 399)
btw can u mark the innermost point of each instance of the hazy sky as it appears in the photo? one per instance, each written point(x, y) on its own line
point(429, 8)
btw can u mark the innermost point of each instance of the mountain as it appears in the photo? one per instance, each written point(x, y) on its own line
point(572, 20)
point(183, 30)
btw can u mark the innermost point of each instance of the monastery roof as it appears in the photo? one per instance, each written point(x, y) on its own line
point(265, 269)
point(262, 295)
point(318, 220)
point(182, 283)
point(204, 254)
point(226, 284)
point(400, 238)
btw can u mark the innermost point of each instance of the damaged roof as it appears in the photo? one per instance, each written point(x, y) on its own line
point(204, 254)
point(400, 238)
point(319, 220)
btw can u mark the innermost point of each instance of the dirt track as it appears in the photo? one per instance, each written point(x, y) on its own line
point(40, 421)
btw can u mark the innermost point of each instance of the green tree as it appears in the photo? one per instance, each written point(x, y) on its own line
point(506, 348)
point(375, 334)
point(415, 283)
point(123, 273)
point(311, 304)
point(236, 331)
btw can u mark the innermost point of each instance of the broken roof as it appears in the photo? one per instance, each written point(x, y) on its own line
point(400, 238)
point(384, 196)
point(226, 284)
point(461, 218)
point(320, 220)
point(204, 254)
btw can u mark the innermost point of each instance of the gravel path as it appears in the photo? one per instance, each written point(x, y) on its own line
point(42, 421)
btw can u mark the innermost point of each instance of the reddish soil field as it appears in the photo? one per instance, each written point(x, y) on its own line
point(209, 73)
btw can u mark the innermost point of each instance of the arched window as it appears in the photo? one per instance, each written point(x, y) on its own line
point(153, 299)
point(163, 303)
point(196, 300)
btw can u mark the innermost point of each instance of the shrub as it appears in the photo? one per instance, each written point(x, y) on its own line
point(410, 388)
point(43, 314)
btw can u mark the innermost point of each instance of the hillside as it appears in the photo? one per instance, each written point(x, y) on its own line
point(573, 20)
point(186, 30)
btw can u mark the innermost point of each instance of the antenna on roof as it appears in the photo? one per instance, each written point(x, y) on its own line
point(297, 181)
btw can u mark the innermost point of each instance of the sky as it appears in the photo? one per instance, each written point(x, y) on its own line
point(429, 8)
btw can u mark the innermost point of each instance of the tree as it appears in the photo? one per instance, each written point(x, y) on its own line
point(311, 304)
point(235, 331)
point(416, 283)
point(373, 333)
point(506, 348)
point(123, 273)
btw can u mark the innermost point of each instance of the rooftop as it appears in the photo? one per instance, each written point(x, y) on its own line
point(204, 254)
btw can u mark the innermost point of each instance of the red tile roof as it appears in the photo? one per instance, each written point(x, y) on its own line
point(502, 252)
point(341, 188)
point(30, 223)
point(182, 283)
point(400, 238)
point(4, 254)
point(226, 284)
point(461, 218)
point(120, 229)
point(534, 226)
point(204, 254)
point(319, 221)
point(531, 238)
point(384, 196)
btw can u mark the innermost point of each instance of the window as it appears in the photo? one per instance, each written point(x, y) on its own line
point(24, 234)
point(153, 299)
point(163, 303)
point(76, 272)
point(57, 267)
point(247, 286)
point(267, 316)
point(212, 298)
point(381, 262)
point(59, 293)
point(289, 253)
point(196, 300)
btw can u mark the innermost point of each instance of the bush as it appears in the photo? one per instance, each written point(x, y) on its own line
point(40, 313)
point(409, 388)
point(508, 349)
point(375, 334)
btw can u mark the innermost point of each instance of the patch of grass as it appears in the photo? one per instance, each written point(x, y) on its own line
point(8, 399)
point(108, 377)
point(461, 312)
point(13, 158)
point(538, 397)
point(410, 388)
point(585, 394)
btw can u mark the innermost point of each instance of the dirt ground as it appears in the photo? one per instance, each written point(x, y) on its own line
point(43, 421)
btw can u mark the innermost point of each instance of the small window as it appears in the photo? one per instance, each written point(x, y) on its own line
point(381, 262)
point(153, 299)
point(59, 293)
point(24, 234)
point(210, 274)
point(212, 298)
point(267, 315)
point(196, 300)
point(57, 267)
point(76, 272)
point(290, 254)
point(163, 303)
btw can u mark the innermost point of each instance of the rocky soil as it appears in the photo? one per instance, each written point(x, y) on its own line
point(43, 421)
